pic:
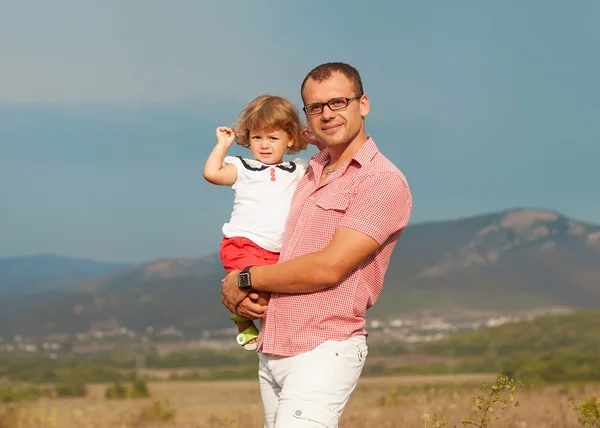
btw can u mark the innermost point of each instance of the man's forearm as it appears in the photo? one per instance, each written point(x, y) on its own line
point(305, 274)
point(316, 271)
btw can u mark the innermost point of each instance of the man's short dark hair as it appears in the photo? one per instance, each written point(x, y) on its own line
point(323, 72)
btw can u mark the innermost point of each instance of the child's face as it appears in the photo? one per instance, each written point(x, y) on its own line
point(269, 146)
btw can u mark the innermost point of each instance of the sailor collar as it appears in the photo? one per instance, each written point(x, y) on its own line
point(254, 165)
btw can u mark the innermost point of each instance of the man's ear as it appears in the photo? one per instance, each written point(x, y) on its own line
point(365, 106)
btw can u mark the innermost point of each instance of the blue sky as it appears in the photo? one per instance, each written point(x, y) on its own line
point(108, 109)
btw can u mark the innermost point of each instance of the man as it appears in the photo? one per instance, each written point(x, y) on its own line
point(346, 217)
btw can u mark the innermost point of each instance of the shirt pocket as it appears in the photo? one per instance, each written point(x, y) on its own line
point(339, 202)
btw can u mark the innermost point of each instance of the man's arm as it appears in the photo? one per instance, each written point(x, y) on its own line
point(362, 230)
point(364, 227)
point(305, 274)
point(319, 270)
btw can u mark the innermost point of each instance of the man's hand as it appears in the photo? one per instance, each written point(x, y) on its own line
point(240, 302)
point(231, 295)
point(248, 308)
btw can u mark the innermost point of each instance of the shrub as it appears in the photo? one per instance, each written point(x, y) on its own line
point(487, 399)
point(490, 396)
point(11, 392)
point(156, 412)
point(589, 412)
point(116, 391)
point(11, 398)
point(434, 421)
point(139, 389)
point(72, 389)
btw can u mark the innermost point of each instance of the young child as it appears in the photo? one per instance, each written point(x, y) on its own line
point(270, 127)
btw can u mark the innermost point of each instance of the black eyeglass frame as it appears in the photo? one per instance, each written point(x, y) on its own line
point(322, 105)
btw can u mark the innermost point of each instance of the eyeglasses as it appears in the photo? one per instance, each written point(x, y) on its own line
point(334, 104)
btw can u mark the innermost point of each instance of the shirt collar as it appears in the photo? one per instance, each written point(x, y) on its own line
point(363, 155)
point(366, 152)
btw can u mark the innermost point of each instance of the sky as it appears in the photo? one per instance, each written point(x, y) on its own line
point(108, 110)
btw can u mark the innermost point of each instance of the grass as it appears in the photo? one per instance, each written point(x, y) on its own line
point(377, 402)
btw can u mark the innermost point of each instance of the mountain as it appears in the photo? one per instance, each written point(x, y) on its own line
point(516, 259)
point(46, 272)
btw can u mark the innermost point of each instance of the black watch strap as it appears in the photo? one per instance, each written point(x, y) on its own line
point(244, 280)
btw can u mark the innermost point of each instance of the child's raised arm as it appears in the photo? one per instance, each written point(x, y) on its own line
point(214, 170)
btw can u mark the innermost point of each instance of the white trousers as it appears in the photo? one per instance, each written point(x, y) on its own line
point(310, 390)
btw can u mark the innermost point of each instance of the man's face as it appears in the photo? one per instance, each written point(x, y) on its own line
point(338, 127)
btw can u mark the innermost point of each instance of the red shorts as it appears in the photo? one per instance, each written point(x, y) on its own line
point(237, 253)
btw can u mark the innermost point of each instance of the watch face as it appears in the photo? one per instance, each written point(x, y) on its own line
point(244, 280)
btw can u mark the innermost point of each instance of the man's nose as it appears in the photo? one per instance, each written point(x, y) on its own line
point(327, 113)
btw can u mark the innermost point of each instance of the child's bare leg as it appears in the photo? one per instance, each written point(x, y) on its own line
point(241, 326)
point(263, 299)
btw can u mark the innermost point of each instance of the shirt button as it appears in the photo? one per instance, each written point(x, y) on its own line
point(298, 413)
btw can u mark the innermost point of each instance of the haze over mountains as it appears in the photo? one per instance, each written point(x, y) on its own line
point(509, 260)
point(47, 272)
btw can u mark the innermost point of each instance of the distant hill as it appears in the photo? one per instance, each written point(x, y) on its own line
point(515, 259)
point(47, 272)
point(559, 348)
point(577, 332)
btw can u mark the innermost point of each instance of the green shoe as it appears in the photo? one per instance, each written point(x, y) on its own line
point(237, 318)
point(247, 335)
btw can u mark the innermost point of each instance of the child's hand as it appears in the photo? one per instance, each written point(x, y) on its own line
point(225, 136)
point(308, 136)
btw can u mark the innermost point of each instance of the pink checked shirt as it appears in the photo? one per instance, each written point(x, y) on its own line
point(371, 196)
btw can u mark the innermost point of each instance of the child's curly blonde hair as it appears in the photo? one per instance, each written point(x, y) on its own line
point(266, 113)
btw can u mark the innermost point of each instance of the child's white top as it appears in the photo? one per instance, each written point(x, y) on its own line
point(263, 196)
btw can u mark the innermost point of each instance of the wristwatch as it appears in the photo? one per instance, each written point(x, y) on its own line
point(244, 282)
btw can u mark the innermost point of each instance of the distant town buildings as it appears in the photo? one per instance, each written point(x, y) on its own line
point(104, 332)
